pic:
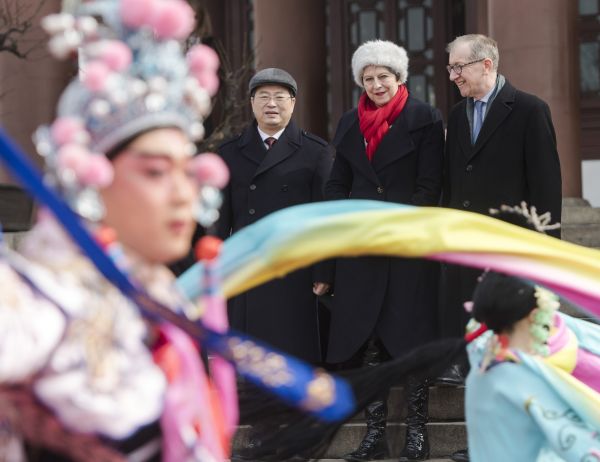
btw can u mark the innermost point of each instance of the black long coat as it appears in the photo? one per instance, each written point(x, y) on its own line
point(282, 312)
point(394, 299)
point(514, 159)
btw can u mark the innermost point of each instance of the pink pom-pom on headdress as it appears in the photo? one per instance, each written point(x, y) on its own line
point(96, 172)
point(173, 19)
point(66, 130)
point(116, 55)
point(43, 214)
point(137, 13)
point(209, 81)
point(202, 57)
point(72, 157)
point(210, 170)
point(95, 75)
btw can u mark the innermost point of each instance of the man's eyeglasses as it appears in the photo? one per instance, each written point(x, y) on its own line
point(279, 99)
point(458, 68)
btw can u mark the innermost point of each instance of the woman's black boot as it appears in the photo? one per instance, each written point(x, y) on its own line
point(374, 444)
point(417, 441)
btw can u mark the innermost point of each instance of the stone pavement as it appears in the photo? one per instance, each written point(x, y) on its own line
point(447, 431)
point(388, 460)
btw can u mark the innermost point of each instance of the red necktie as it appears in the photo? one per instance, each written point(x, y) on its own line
point(270, 141)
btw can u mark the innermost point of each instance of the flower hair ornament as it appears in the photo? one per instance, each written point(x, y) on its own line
point(541, 223)
point(133, 77)
point(497, 348)
point(547, 303)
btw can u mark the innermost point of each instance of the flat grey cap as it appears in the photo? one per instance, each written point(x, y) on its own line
point(273, 76)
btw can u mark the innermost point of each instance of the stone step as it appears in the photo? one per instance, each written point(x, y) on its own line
point(13, 239)
point(580, 215)
point(574, 202)
point(385, 460)
point(584, 234)
point(445, 404)
point(444, 438)
point(447, 431)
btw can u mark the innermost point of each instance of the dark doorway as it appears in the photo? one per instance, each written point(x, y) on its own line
point(589, 80)
point(422, 27)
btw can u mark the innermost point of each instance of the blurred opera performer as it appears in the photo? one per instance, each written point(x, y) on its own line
point(82, 376)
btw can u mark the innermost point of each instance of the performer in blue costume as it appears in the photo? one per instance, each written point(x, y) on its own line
point(533, 390)
point(573, 384)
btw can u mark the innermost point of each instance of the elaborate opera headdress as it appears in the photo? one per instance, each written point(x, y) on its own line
point(133, 77)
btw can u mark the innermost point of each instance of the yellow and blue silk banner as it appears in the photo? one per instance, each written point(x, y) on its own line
point(299, 236)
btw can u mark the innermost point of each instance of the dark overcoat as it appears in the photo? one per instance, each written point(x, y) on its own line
point(393, 299)
point(514, 159)
point(282, 312)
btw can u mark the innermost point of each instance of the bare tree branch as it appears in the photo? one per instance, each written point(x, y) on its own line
point(231, 99)
point(231, 105)
point(17, 19)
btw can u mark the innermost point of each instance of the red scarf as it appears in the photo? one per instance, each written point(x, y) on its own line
point(375, 121)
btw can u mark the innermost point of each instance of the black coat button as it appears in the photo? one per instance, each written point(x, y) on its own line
point(469, 168)
point(252, 187)
point(284, 187)
point(379, 190)
point(466, 204)
point(251, 211)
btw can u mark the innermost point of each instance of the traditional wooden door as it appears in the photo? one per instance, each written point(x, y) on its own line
point(422, 27)
point(589, 81)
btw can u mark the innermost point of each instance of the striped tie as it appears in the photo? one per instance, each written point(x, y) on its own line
point(270, 141)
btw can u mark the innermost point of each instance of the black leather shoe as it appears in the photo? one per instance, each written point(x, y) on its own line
point(453, 376)
point(374, 444)
point(460, 456)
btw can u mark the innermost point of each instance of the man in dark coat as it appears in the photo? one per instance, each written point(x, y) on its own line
point(500, 149)
point(274, 165)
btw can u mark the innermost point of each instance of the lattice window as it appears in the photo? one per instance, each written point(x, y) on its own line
point(423, 27)
point(589, 77)
point(415, 33)
point(410, 24)
point(589, 47)
point(366, 21)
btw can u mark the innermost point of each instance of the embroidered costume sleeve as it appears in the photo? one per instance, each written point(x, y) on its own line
point(31, 328)
point(567, 436)
point(75, 339)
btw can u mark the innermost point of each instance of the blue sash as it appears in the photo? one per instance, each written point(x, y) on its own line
point(292, 380)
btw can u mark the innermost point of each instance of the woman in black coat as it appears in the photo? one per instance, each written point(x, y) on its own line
point(390, 148)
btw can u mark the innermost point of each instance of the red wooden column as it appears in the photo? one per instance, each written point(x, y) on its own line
point(290, 34)
point(539, 54)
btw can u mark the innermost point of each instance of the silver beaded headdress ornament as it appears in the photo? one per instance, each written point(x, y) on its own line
point(133, 77)
point(541, 223)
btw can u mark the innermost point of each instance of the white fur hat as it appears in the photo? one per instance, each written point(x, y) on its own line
point(380, 53)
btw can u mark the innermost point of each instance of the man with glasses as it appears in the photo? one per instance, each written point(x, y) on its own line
point(500, 149)
point(274, 164)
